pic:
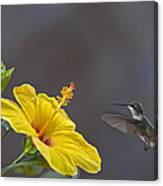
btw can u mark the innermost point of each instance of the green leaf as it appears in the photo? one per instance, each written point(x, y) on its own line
point(31, 167)
point(5, 125)
point(28, 170)
point(5, 76)
point(49, 173)
point(3, 68)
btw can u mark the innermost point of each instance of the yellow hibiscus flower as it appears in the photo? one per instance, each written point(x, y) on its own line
point(52, 131)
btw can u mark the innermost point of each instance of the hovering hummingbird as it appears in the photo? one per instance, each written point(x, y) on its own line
point(137, 124)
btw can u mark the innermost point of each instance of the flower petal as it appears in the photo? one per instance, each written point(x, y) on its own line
point(12, 113)
point(60, 121)
point(26, 97)
point(57, 159)
point(82, 153)
point(46, 106)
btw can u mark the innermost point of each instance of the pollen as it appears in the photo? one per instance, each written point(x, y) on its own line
point(66, 95)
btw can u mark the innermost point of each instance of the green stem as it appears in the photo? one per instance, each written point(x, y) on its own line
point(4, 170)
point(5, 134)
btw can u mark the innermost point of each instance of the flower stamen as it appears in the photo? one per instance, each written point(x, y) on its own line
point(63, 100)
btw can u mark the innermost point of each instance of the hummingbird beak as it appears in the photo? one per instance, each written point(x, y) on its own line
point(121, 104)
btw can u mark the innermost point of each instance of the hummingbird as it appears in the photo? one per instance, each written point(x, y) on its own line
point(137, 123)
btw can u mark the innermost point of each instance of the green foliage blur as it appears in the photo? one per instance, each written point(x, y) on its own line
point(5, 76)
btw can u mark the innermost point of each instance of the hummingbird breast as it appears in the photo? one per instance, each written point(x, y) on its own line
point(149, 140)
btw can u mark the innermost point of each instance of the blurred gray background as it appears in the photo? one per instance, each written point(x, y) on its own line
point(107, 50)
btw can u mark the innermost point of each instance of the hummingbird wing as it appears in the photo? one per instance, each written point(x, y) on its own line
point(120, 122)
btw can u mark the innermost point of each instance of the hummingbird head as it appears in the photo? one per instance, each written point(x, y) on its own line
point(135, 108)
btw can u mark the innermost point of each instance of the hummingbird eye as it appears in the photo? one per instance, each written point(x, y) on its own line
point(134, 106)
point(137, 107)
